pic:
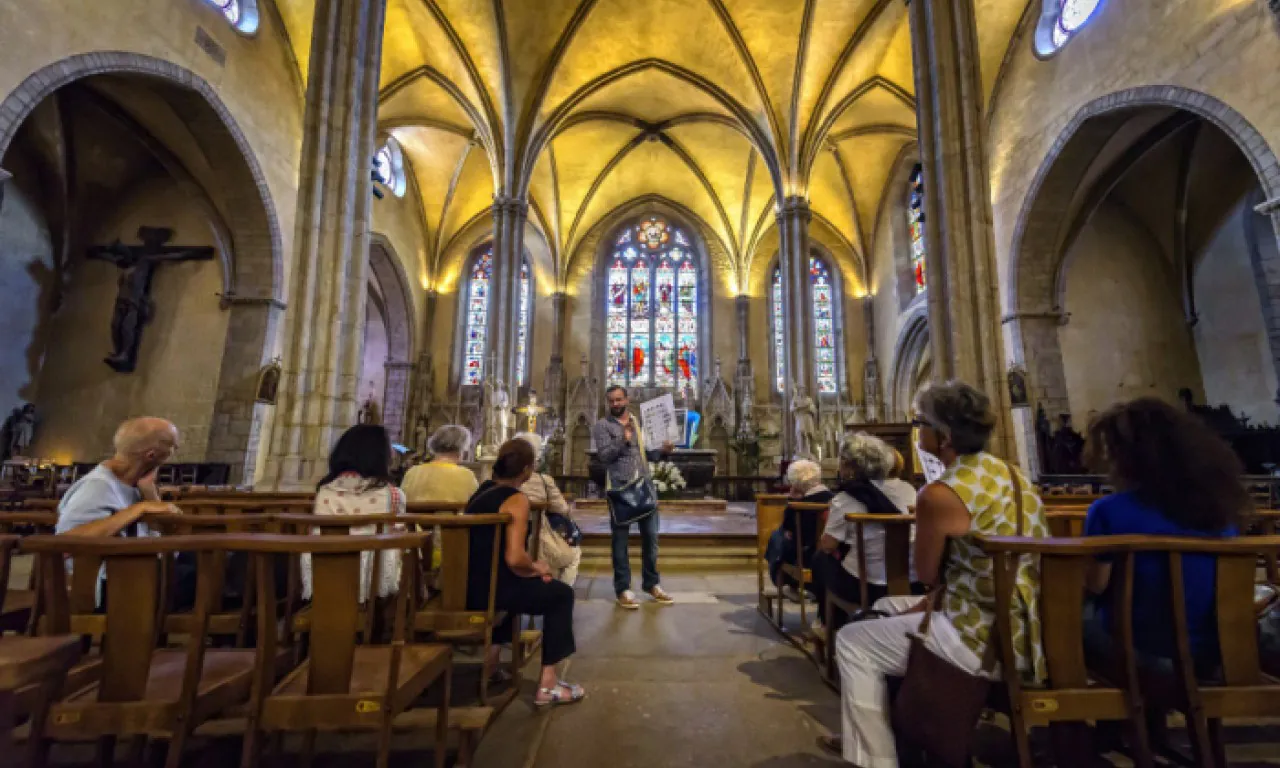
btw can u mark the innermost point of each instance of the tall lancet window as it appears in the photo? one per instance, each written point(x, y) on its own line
point(915, 222)
point(652, 312)
point(824, 329)
point(475, 351)
point(1060, 20)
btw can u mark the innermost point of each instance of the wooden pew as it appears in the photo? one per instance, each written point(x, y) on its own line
point(18, 606)
point(769, 509)
point(343, 685)
point(144, 691)
point(800, 571)
point(897, 557)
point(1072, 694)
point(445, 616)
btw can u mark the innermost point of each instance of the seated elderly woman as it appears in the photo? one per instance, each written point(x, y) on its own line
point(865, 488)
point(976, 493)
point(805, 479)
point(560, 542)
point(442, 478)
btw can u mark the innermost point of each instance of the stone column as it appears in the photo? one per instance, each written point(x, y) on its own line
point(743, 305)
point(553, 386)
point(964, 314)
point(509, 214)
point(327, 294)
point(797, 304)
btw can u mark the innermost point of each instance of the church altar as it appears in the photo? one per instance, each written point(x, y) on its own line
point(697, 465)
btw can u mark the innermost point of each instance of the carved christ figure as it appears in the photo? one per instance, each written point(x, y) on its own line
point(133, 307)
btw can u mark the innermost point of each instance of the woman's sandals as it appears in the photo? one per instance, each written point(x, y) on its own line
point(556, 697)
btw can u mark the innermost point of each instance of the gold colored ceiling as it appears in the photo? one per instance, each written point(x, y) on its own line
point(715, 105)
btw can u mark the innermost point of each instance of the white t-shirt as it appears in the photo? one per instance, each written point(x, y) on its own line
point(903, 497)
point(96, 496)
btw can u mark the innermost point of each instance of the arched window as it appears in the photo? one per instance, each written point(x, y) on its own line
point(241, 14)
point(388, 168)
point(476, 342)
point(652, 310)
point(915, 223)
point(824, 328)
point(1060, 21)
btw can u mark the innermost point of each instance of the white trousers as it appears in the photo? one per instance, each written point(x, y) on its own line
point(867, 652)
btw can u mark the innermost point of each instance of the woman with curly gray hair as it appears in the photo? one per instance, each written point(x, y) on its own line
point(977, 493)
point(867, 487)
point(805, 481)
point(443, 478)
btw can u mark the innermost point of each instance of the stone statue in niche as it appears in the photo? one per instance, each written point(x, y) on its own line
point(19, 431)
point(134, 307)
point(804, 415)
point(269, 383)
point(369, 412)
point(420, 435)
point(1066, 452)
point(501, 412)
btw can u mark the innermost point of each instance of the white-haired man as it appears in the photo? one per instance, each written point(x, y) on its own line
point(112, 498)
point(804, 478)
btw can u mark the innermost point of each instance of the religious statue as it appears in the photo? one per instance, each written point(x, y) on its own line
point(420, 435)
point(501, 412)
point(134, 307)
point(532, 411)
point(369, 412)
point(804, 415)
point(269, 383)
point(1066, 452)
point(746, 419)
point(20, 428)
point(1044, 440)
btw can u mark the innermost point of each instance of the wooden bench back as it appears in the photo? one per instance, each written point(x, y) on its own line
point(897, 551)
point(245, 505)
point(806, 509)
point(8, 545)
point(455, 563)
point(769, 514)
point(1066, 524)
point(335, 619)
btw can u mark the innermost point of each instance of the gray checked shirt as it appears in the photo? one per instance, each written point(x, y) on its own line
point(621, 457)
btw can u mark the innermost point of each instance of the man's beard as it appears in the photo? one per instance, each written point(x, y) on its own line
point(617, 412)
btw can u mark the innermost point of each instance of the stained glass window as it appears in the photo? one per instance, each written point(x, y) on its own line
point(651, 311)
point(476, 342)
point(915, 222)
point(241, 14)
point(1060, 21)
point(388, 168)
point(477, 338)
point(824, 328)
point(522, 330)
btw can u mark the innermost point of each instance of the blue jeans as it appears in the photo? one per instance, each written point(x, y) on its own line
point(648, 555)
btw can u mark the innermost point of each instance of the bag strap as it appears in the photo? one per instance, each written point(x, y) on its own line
point(935, 594)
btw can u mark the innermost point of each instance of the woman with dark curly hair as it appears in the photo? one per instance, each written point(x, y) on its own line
point(1174, 477)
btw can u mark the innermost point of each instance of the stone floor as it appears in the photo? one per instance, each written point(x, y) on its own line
point(705, 682)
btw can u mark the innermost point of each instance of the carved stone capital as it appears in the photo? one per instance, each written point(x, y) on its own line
point(796, 206)
point(510, 205)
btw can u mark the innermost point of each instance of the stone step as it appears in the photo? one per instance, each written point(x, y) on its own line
point(678, 552)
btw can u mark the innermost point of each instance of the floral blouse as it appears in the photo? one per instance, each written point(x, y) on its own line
point(350, 494)
point(983, 483)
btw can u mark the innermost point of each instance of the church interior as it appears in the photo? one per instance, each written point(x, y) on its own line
point(783, 223)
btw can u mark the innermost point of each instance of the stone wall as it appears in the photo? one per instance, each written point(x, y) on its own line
point(1126, 336)
point(80, 399)
point(26, 276)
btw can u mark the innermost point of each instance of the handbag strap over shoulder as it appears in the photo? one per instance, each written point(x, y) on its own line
point(935, 594)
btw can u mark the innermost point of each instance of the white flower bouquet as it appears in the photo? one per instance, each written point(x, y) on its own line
point(666, 477)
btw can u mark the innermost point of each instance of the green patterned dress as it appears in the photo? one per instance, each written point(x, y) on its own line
point(982, 482)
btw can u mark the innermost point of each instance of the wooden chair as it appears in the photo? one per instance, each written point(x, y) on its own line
point(800, 571)
point(342, 685)
point(769, 515)
point(1267, 523)
point(445, 615)
point(1066, 524)
point(1241, 689)
point(143, 691)
point(32, 670)
point(18, 606)
point(897, 562)
point(1072, 696)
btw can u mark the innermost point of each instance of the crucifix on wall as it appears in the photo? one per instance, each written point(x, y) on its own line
point(134, 307)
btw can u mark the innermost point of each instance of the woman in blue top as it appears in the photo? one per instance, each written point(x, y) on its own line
point(1173, 477)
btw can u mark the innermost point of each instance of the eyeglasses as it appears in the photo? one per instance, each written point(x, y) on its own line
point(920, 423)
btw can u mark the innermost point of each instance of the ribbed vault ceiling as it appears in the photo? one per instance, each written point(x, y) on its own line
point(715, 105)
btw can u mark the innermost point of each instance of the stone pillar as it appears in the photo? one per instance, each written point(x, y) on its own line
point(327, 293)
point(743, 305)
point(797, 303)
point(509, 214)
point(964, 314)
point(237, 416)
point(553, 383)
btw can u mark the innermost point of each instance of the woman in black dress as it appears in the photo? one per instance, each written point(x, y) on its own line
point(525, 586)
